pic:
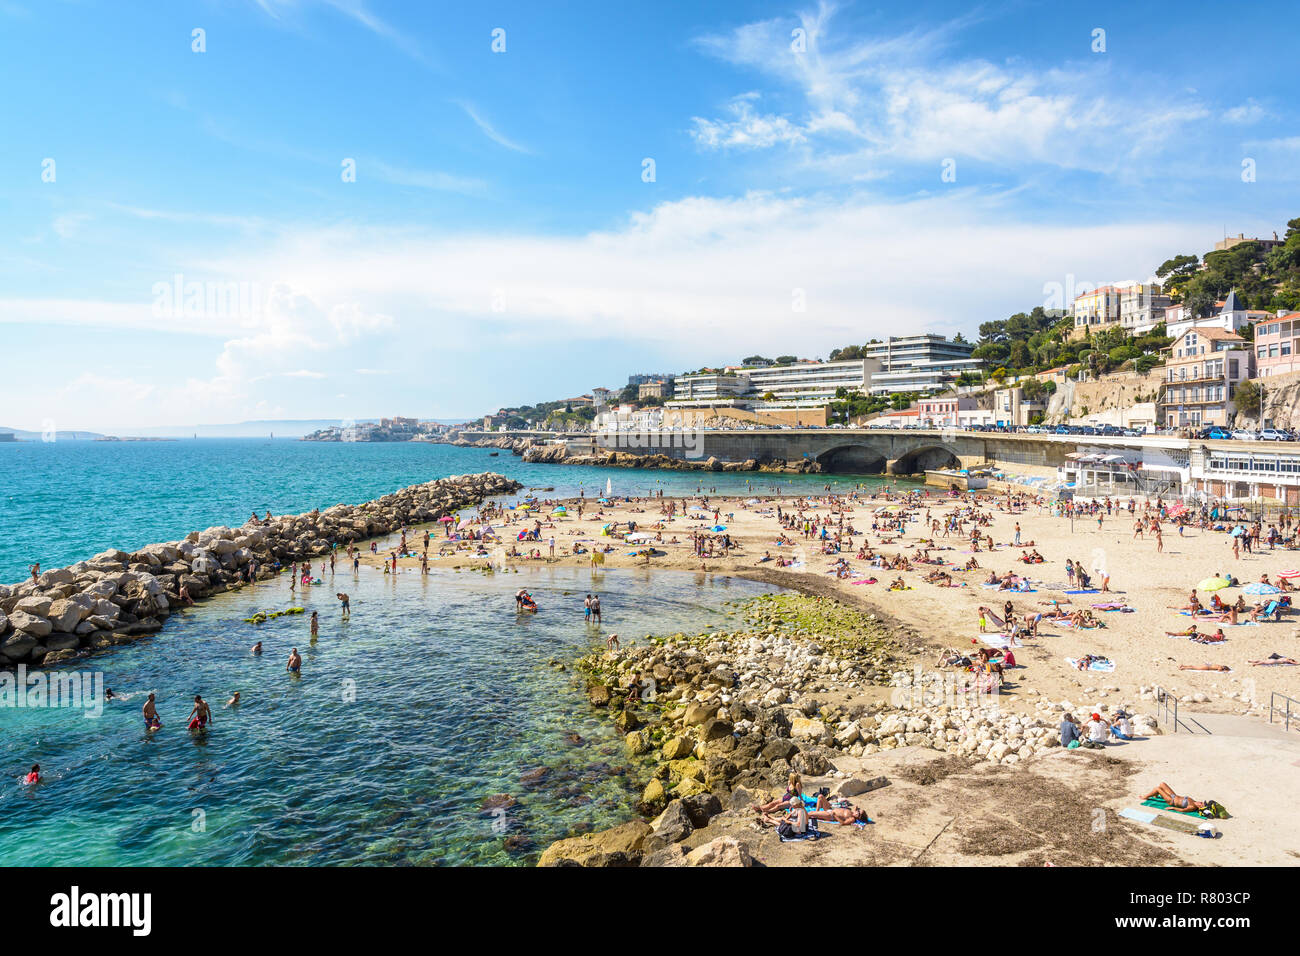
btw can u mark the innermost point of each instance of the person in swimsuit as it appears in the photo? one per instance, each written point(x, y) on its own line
point(1180, 804)
point(234, 701)
point(611, 642)
point(595, 609)
point(201, 715)
point(315, 625)
point(295, 662)
point(35, 775)
point(844, 816)
point(347, 605)
point(257, 648)
point(150, 711)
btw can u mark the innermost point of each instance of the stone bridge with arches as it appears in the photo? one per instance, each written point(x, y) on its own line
point(847, 450)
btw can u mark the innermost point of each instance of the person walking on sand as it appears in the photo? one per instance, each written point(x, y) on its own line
point(347, 605)
point(294, 665)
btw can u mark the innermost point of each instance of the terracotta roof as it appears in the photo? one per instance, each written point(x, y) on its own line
point(1213, 332)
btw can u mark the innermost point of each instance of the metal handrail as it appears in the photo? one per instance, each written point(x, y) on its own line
point(1163, 698)
point(1285, 712)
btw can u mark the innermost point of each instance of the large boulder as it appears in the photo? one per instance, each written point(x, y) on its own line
point(30, 624)
point(723, 851)
point(620, 846)
point(677, 748)
point(37, 604)
point(17, 646)
point(66, 615)
point(62, 642)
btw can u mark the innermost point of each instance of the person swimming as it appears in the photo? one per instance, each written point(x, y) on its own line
point(34, 776)
point(257, 648)
point(234, 701)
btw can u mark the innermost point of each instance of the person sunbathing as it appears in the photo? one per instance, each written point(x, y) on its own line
point(1204, 667)
point(1180, 804)
point(1275, 660)
point(1217, 637)
point(898, 585)
point(1190, 632)
point(844, 816)
point(972, 565)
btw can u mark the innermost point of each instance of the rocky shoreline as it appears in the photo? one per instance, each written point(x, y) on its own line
point(118, 596)
point(725, 717)
point(533, 452)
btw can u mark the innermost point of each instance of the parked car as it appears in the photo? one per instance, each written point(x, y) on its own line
point(1218, 434)
point(1244, 434)
point(1273, 434)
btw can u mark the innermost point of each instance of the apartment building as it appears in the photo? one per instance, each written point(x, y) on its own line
point(1142, 307)
point(919, 363)
point(803, 384)
point(1202, 372)
point(1277, 345)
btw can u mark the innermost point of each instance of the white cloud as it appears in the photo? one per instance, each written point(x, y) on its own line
point(863, 101)
point(489, 130)
point(1248, 112)
point(746, 128)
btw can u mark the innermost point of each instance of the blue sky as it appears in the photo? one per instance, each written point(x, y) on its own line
point(500, 243)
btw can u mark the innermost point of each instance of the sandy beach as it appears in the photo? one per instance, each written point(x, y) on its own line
point(1153, 583)
point(1228, 711)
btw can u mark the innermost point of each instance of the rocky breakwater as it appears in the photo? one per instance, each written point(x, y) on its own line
point(560, 455)
point(723, 719)
point(118, 596)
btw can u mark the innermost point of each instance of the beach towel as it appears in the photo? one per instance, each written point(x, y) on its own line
point(1182, 825)
point(1082, 591)
point(811, 834)
point(1104, 666)
point(996, 640)
point(1122, 608)
point(994, 620)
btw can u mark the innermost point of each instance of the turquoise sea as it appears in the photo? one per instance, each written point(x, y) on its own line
point(63, 501)
point(434, 697)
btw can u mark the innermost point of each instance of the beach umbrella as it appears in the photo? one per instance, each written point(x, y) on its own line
point(1259, 587)
point(1289, 574)
point(1213, 584)
point(445, 518)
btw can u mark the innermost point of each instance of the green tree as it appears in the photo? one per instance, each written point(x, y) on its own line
point(1248, 397)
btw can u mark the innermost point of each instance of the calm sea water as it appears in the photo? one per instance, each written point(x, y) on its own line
point(432, 698)
point(454, 702)
point(63, 501)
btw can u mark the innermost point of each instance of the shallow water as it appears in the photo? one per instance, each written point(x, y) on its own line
point(454, 701)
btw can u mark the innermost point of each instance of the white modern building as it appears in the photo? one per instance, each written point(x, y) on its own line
point(803, 384)
point(919, 363)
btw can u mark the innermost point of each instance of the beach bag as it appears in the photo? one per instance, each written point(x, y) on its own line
point(1214, 810)
point(785, 831)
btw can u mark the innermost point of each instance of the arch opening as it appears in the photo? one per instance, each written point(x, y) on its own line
point(852, 460)
point(926, 459)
